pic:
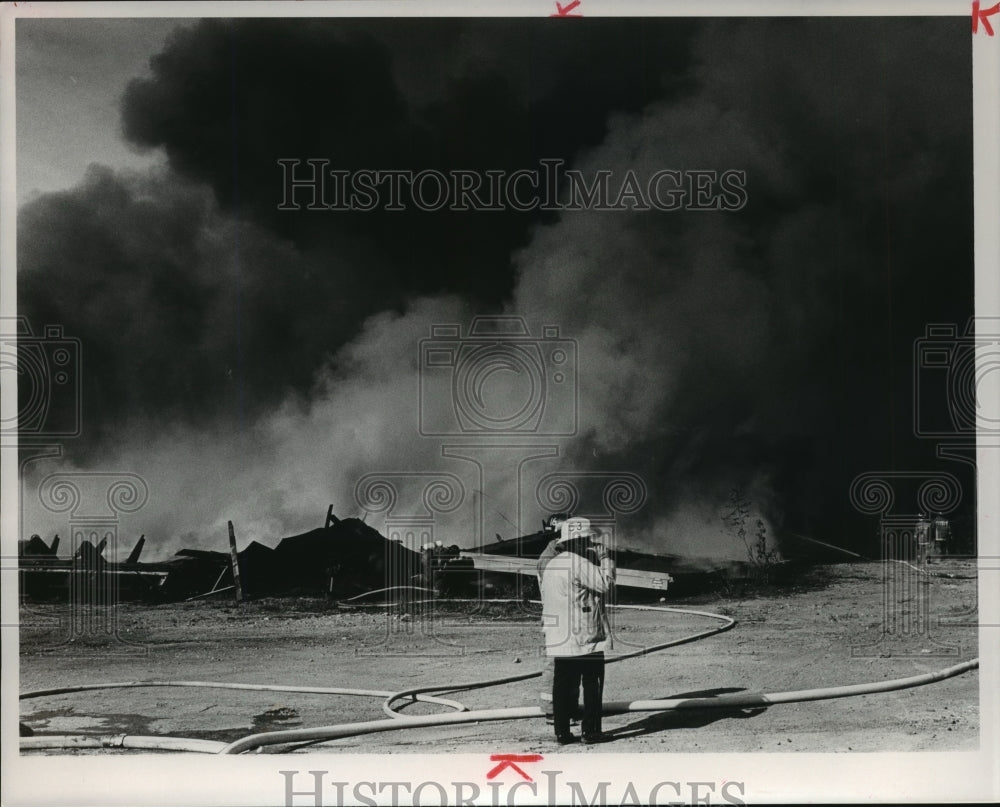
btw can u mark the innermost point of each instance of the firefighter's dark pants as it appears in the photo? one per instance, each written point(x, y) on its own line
point(569, 673)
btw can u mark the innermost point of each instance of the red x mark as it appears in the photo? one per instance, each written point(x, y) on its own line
point(979, 16)
point(564, 11)
point(508, 760)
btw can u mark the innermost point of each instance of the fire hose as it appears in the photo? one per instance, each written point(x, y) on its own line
point(291, 738)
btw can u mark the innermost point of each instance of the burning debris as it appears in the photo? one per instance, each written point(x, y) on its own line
point(344, 558)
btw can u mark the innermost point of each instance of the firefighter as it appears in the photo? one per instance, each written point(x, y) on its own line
point(573, 620)
point(554, 525)
point(921, 535)
point(941, 531)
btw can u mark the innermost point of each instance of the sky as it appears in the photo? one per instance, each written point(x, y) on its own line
point(257, 364)
point(70, 78)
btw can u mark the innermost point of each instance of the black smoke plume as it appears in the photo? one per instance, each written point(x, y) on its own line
point(257, 362)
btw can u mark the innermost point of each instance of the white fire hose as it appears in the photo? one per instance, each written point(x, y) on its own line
point(460, 714)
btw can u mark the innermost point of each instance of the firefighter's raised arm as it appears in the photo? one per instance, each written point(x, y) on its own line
point(607, 565)
point(598, 579)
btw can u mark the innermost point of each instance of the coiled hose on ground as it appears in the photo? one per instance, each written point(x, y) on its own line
point(291, 738)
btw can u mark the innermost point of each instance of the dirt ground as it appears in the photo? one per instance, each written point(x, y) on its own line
point(827, 630)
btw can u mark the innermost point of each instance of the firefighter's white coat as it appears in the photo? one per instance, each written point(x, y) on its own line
point(573, 591)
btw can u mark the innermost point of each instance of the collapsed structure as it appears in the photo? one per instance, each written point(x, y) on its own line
point(344, 558)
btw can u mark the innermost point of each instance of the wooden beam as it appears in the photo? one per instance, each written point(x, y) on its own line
point(136, 550)
point(235, 563)
point(207, 593)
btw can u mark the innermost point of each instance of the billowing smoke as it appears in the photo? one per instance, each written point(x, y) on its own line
point(255, 364)
point(728, 353)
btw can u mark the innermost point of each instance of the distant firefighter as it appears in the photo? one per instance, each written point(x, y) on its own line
point(941, 535)
point(922, 538)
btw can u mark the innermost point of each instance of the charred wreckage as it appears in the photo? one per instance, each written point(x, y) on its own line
point(347, 558)
point(344, 558)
